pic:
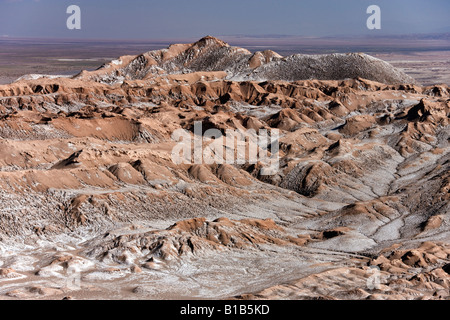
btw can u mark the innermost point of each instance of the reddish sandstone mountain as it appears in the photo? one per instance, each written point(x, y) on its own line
point(212, 54)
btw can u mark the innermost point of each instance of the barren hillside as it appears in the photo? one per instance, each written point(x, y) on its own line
point(93, 205)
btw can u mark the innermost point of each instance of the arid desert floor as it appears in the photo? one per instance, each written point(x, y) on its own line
point(93, 205)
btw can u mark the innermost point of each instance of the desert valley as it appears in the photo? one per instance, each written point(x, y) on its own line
point(92, 205)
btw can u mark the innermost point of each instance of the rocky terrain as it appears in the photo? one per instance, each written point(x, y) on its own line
point(92, 204)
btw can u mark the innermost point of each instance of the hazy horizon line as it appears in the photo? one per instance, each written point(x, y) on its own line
point(424, 36)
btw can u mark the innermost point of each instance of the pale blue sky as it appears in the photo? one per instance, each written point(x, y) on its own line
point(139, 19)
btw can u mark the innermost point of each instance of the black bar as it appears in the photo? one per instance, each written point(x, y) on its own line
point(220, 309)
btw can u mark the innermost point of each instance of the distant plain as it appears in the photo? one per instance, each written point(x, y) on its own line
point(427, 59)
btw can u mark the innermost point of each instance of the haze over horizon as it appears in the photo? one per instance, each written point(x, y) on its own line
point(139, 20)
